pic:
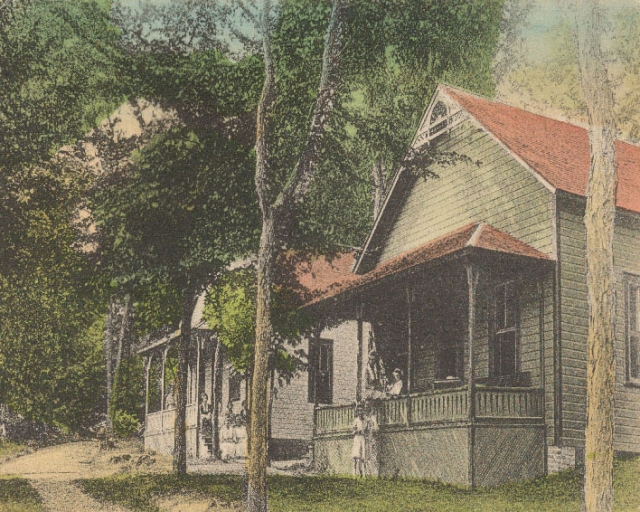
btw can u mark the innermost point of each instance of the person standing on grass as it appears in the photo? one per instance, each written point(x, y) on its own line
point(359, 452)
point(371, 439)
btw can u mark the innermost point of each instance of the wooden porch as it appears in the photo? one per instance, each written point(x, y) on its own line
point(466, 337)
point(439, 407)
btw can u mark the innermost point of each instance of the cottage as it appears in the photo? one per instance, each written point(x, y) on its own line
point(473, 284)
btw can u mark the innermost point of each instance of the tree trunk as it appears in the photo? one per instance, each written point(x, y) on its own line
point(109, 326)
point(377, 186)
point(275, 220)
point(117, 342)
point(181, 388)
point(257, 460)
point(599, 222)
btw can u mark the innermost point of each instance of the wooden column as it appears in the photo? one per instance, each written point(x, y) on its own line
point(197, 372)
point(162, 371)
point(148, 361)
point(543, 383)
point(359, 363)
point(409, 297)
point(472, 285)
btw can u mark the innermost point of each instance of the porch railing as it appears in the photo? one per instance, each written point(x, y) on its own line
point(449, 405)
point(164, 421)
point(509, 403)
point(334, 419)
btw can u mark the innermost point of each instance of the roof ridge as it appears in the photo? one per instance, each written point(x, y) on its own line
point(473, 239)
point(576, 124)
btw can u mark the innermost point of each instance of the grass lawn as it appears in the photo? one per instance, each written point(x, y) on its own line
point(17, 495)
point(338, 494)
point(8, 449)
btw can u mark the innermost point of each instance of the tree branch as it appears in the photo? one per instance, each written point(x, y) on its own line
point(264, 111)
point(304, 171)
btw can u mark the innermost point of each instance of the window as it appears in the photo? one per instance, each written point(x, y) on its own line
point(235, 384)
point(321, 371)
point(633, 329)
point(505, 330)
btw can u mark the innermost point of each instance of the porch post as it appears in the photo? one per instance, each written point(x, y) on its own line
point(472, 283)
point(359, 307)
point(198, 420)
point(148, 361)
point(409, 349)
point(162, 372)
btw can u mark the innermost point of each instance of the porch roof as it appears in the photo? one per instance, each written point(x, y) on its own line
point(328, 278)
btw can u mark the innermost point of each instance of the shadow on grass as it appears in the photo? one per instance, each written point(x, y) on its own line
point(554, 493)
point(17, 495)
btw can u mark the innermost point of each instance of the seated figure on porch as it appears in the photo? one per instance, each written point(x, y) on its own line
point(228, 439)
point(240, 433)
point(170, 400)
point(396, 387)
point(374, 377)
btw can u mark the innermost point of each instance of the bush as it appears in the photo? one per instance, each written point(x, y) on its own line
point(125, 424)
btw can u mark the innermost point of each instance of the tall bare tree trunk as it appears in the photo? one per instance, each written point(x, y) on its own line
point(108, 335)
point(599, 221)
point(117, 342)
point(181, 388)
point(275, 223)
point(257, 461)
point(378, 186)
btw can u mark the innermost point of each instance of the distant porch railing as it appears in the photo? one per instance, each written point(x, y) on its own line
point(451, 405)
point(161, 422)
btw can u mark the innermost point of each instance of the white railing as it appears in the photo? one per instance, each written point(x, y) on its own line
point(164, 421)
point(334, 419)
point(451, 405)
point(509, 403)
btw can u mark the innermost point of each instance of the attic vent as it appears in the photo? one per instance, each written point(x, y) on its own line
point(439, 113)
point(442, 118)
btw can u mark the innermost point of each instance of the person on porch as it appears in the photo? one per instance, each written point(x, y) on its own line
point(374, 377)
point(396, 387)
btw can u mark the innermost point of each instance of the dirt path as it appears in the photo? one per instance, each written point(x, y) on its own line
point(52, 470)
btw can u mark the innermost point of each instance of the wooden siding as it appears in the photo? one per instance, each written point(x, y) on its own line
point(492, 187)
point(627, 259)
point(292, 414)
point(574, 325)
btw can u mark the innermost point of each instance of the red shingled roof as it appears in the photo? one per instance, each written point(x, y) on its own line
point(324, 279)
point(558, 151)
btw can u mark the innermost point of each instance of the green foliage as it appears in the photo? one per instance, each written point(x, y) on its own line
point(184, 211)
point(127, 397)
point(59, 62)
point(230, 311)
point(50, 338)
point(58, 75)
point(125, 424)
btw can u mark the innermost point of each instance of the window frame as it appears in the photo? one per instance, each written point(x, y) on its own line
point(314, 361)
point(631, 282)
point(235, 378)
point(496, 332)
